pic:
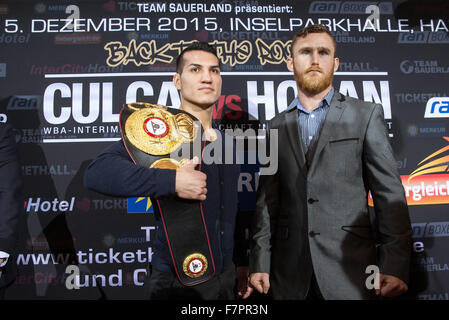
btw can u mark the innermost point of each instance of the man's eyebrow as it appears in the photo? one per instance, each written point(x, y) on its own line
point(311, 48)
point(324, 48)
point(195, 65)
point(202, 66)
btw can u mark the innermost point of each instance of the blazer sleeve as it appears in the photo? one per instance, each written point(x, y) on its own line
point(392, 217)
point(241, 243)
point(114, 173)
point(11, 202)
point(264, 218)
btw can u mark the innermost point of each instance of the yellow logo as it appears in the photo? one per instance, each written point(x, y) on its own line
point(438, 165)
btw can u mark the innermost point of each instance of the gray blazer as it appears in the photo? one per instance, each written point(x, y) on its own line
point(313, 212)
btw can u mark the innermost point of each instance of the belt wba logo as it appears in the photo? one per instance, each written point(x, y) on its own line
point(195, 265)
point(156, 127)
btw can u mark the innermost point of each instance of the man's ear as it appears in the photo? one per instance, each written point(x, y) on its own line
point(289, 63)
point(177, 80)
point(336, 64)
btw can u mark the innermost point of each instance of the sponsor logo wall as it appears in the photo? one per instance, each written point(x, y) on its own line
point(66, 69)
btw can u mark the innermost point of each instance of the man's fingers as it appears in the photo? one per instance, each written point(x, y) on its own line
point(386, 288)
point(201, 197)
point(255, 283)
point(392, 290)
point(248, 292)
point(191, 163)
point(260, 282)
point(201, 191)
point(258, 286)
point(195, 160)
point(242, 287)
point(192, 196)
point(391, 286)
point(265, 286)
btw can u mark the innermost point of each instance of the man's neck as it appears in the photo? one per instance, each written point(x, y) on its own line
point(204, 116)
point(311, 101)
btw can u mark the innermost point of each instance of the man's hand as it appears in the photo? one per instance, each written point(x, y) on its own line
point(2, 260)
point(243, 289)
point(260, 281)
point(390, 286)
point(190, 183)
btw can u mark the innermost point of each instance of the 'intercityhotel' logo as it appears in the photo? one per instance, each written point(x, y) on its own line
point(429, 183)
point(36, 205)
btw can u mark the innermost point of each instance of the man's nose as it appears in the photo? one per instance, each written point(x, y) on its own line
point(315, 58)
point(206, 76)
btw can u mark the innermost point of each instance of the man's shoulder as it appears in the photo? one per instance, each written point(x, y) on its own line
point(6, 133)
point(355, 103)
point(5, 129)
point(277, 120)
point(117, 145)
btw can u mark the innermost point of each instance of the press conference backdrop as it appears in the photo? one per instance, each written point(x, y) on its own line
point(67, 68)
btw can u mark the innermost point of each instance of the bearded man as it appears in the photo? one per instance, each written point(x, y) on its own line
point(312, 236)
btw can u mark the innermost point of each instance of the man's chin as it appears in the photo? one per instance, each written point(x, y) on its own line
point(315, 86)
point(313, 89)
point(205, 105)
point(202, 103)
point(312, 92)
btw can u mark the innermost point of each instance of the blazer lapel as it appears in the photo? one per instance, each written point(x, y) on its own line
point(336, 109)
point(294, 135)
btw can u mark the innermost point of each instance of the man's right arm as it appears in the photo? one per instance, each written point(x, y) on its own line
point(260, 243)
point(114, 173)
point(11, 202)
point(266, 209)
point(260, 235)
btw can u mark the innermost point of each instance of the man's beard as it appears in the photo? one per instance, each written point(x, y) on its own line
point(314, 84)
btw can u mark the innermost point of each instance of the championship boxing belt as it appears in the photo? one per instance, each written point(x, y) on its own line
point(150, 134)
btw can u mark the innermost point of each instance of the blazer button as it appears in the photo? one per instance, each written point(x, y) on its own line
point(313, 234)
point(311, 200)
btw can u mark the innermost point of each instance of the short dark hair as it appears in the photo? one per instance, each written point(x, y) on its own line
point(314, 28)
point(197, 45)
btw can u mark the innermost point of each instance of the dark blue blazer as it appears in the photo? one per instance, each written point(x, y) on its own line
point(114, 173)
point(11, 202)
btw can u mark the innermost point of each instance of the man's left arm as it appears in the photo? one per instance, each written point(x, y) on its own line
point(241, 249)
point(392, 218)
point(10, 185)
